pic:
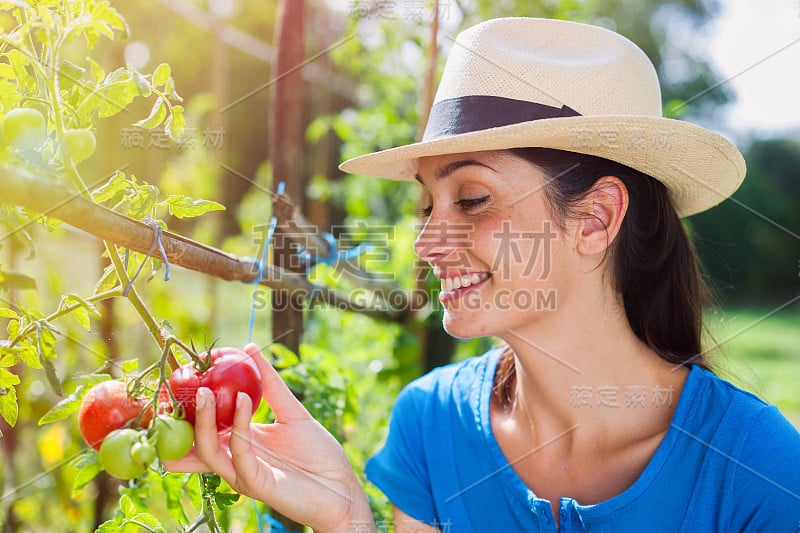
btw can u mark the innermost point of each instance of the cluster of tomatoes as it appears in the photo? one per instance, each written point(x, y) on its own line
point(25, 128)
point(128, 435)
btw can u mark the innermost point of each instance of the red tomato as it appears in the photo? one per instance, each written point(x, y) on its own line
point(107, 407)
point(230, 372)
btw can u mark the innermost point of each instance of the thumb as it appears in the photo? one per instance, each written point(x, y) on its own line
point(286, 407)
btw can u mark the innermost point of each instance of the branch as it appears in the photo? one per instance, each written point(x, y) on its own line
point(21, 188)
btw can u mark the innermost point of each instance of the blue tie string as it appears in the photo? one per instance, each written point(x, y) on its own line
point(273, 223)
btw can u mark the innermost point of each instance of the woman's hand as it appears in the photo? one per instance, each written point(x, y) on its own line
point(293, 465)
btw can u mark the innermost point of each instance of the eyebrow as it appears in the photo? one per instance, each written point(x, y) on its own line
point(447, 169)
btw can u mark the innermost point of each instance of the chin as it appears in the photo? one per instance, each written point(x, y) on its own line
point(463, 327)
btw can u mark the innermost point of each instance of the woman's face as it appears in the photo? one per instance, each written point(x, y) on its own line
point(490, 239)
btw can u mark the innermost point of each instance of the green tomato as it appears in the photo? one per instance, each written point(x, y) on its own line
point(79, 144)
point(24, 128)
point(174, 437)
point(143, 453)
point(116, 457)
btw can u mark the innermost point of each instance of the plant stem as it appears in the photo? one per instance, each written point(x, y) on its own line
point(136, 301)
point(111, 293)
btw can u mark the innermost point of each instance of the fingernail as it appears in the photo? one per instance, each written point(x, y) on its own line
point(202, 397)
point(239, 399)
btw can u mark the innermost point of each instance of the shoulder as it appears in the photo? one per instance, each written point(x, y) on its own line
point(717, 400)
point(447, 399)
point(746, 419)
point(758, 448)
point(450, 383)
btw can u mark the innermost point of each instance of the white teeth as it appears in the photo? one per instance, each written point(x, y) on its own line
point(449, 284)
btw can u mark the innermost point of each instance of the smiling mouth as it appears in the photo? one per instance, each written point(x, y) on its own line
point(463, 281)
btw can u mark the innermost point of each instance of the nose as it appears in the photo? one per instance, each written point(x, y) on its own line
point(437, 239)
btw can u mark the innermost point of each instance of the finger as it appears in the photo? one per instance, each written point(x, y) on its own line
point(241, 446)
point(189, 463)
point(208, 448)
point(276, 393)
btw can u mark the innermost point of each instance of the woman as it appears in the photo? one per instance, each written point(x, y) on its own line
point(554, 193)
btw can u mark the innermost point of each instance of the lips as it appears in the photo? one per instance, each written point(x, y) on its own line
point(462, 281)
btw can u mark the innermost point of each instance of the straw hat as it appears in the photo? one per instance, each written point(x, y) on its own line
point(525, 82)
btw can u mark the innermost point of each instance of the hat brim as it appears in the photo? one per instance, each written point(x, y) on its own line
point(699, 167)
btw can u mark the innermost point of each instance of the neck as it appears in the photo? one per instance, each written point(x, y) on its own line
point(586, 368)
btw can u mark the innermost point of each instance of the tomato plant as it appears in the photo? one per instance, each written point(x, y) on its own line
point(52, 95)
point(108, 407)
point(227, 372)
point(54, 91)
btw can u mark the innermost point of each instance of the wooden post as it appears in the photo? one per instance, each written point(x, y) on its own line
point(286, 141)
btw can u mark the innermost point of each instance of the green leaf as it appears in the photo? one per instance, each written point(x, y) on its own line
point(155, 118)
point(7, 379)
point(169, 90)
point(87, 466)
point(82, 312)
point(102, 11)
point(7, 71)
point(29, 355)
point(142, 85)
point(129, 366)
point(225, 499)
point(16, 281)
point(69, 74)
point(174, 485)
point(211, 482)
point(144, 201)
point(8, 405)
point(8, 356)
point(161, 74)
point(13, 329)
point(175, 125)
point(5, 312)
point(47, 354)
point(72, 403)
point(107, 281)
point(61, 410)
point(149, 520)
point(19, 63)
point(109, 526)
point(96, 70)
point(51, 375)
point(127, 506)
point(117, 91)
point(182, 206)
point(113, 189)
point(47, 341)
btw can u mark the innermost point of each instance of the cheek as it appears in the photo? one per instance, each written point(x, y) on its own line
point(519, 249)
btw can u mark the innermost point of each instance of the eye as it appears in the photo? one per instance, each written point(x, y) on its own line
point(425, 212)
point(468, 204)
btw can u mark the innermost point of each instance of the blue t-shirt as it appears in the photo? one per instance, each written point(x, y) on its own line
point(729, 462)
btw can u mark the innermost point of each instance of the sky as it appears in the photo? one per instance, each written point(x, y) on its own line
point(756, 44)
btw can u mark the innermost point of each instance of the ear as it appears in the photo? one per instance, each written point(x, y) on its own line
point(605, 205)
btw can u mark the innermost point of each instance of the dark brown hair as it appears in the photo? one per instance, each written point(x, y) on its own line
point(653, 262)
